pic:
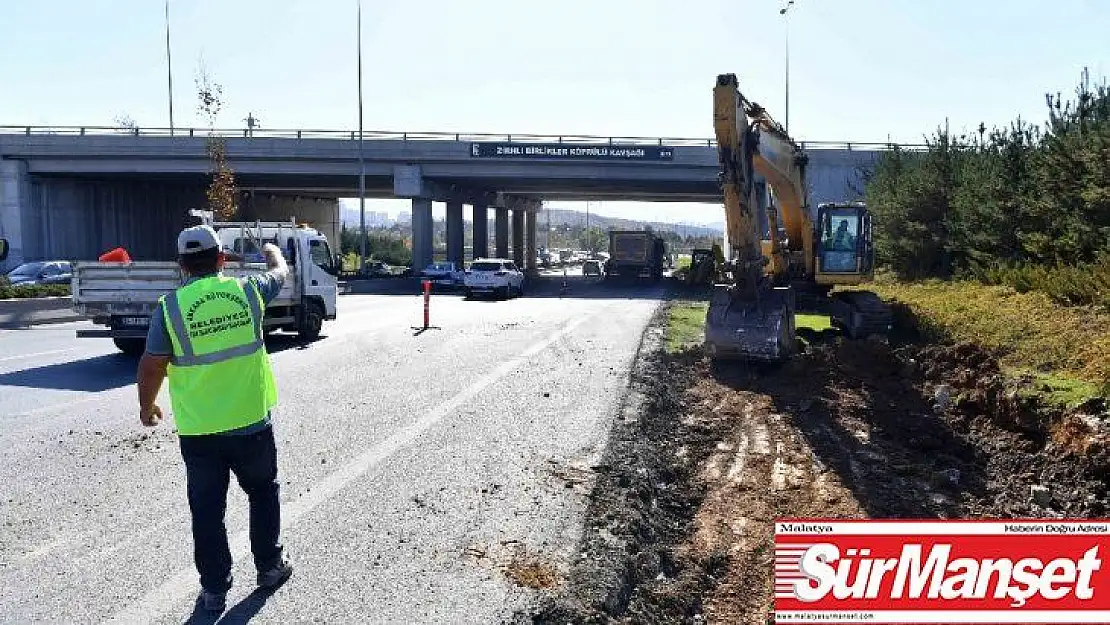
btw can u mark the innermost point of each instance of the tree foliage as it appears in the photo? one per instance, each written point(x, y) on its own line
point(387, 246)
point(1016, 204)
point(125, 123)
point(221, 191)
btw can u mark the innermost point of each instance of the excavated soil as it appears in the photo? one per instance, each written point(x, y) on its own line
point(704, 459)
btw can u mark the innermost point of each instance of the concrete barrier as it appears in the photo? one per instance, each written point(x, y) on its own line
point(22, 313)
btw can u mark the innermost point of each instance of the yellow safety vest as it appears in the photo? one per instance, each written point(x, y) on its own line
point(219, 374)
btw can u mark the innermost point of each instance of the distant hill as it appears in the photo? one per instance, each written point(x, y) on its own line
point(564, 217)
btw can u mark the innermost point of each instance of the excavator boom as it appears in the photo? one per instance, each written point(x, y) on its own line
point(749, 319)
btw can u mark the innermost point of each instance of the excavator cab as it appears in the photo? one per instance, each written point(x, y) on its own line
point(845, 251)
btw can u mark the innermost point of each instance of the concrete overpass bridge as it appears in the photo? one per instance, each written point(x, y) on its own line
point(75, 192)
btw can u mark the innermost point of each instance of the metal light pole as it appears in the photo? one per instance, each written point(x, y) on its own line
point(169, 65)
point(589, 241)
point(361, 160)
point(786, 20)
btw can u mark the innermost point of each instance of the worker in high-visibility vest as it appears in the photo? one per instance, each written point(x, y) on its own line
point(206, 337)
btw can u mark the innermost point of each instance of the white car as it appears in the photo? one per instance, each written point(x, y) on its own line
point(495, 276)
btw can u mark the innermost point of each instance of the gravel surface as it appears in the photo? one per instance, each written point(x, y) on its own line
point(432, 478)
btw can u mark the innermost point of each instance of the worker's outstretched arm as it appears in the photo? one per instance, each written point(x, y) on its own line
point(275, 262)
point(152, 370)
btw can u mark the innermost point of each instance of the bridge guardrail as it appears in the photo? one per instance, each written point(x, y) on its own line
point(378, 135)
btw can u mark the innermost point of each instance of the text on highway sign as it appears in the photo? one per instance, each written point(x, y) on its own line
point(576, 152)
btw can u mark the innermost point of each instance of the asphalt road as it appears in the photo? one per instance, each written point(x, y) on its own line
point(413, 466)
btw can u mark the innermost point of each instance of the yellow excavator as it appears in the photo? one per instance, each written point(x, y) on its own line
point(751, 314)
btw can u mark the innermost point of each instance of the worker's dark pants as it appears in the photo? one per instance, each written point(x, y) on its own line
point(209, 461)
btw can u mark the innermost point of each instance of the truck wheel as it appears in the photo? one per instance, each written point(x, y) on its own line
point(130, 346)
point(312, 324)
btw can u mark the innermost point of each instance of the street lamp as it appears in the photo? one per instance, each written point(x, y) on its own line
point(589, 242)
point(786, 20)
point(169, 65)
point(361, 159)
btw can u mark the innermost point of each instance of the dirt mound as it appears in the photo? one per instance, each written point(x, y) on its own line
point(1023, 442)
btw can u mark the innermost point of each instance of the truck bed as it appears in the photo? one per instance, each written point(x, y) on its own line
point(134, 288)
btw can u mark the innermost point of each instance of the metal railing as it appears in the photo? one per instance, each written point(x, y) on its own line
point(389, 135)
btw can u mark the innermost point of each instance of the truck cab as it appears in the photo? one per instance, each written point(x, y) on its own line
point(311, 262)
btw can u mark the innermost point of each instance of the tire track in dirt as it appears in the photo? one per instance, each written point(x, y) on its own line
point(772, 473)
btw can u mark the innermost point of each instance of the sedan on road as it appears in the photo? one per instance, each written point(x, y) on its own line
point(46, 272)
point(496, 276)
point(443, 274)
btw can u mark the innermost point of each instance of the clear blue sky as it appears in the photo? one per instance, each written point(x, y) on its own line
point(860, 69)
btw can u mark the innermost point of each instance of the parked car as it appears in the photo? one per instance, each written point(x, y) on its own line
point(42, 272)
point(444, 274)
point(494, 276)
point(377, 269)
point(592, 268)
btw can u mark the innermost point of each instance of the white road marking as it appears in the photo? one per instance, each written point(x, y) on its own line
point(36, 354)
point(62, 406)
point(175, 590)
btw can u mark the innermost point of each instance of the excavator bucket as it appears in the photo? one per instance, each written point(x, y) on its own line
point(760, 331)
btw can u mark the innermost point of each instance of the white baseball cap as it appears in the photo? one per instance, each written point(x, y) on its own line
point(197, 239)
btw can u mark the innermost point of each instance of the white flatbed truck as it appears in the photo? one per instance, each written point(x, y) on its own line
point(122, 296)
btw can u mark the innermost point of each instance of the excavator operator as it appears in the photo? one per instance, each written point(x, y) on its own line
point(843, 240)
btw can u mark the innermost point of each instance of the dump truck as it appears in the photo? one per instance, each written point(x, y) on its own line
point(635, 254)
point(121, 296)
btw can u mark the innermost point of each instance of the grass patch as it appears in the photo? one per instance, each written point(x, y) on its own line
point(1059, 390)
point(1067, 346)
point(685, 324)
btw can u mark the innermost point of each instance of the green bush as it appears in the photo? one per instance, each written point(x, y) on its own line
point(39, 290)
point(1086, 284)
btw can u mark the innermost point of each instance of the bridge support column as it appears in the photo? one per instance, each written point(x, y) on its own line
point(320, 213)
point(421, 234)
point(501, 232)
point(480, 245)
point(518, 237)
point(530, 240)
point(455, 239)
point(15, 199)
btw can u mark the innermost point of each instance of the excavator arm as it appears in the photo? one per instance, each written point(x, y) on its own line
point(750, 318)
point(736, 144)
point(782, 163)
point(775, 156)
